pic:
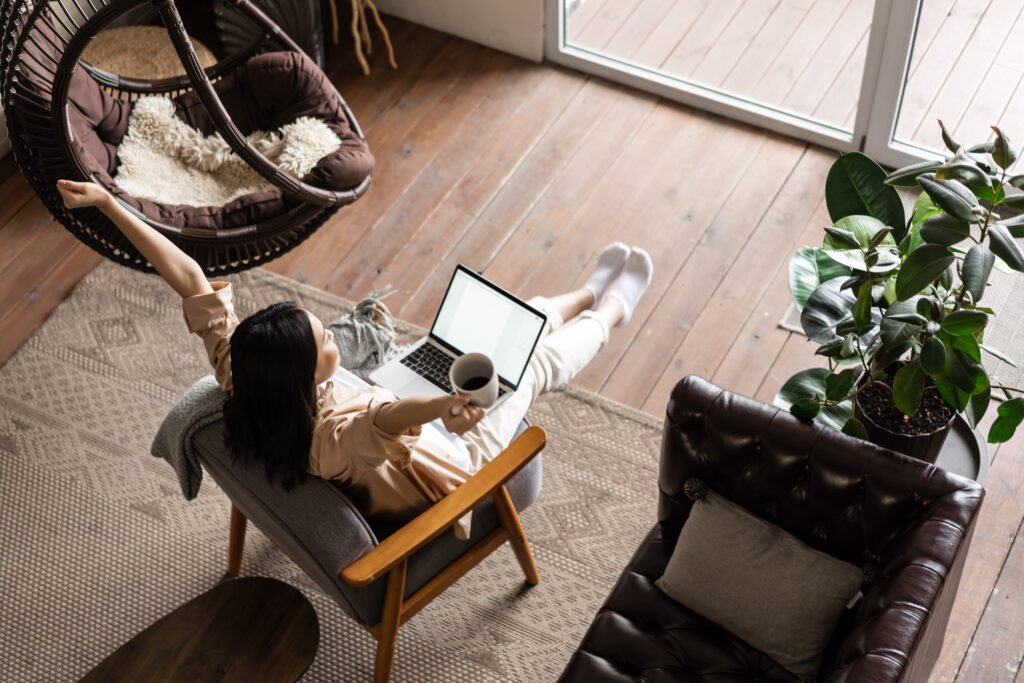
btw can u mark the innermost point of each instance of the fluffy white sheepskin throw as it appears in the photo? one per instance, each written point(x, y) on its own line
point(164, 160)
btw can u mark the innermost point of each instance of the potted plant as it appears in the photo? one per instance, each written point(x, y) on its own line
point(895, 305)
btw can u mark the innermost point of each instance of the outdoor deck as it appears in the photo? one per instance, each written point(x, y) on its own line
point(525, 172)
point(807, 56)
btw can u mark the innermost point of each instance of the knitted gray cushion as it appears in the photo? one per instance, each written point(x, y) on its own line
point(759, 582)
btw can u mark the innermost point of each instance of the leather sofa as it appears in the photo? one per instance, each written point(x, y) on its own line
point(908, 522)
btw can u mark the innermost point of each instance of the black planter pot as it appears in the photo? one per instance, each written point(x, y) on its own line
point(923, 446)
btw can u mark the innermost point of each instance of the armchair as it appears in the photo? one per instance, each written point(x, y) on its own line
point(909, 521)
point(381, 573)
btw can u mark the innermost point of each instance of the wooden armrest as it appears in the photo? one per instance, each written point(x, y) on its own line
point(443, 514)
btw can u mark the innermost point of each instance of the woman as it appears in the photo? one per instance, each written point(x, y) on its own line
point(292, 408)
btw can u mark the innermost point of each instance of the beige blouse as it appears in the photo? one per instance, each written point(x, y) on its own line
point(391, 475)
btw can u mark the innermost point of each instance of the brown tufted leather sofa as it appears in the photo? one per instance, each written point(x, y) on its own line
point(910, 522)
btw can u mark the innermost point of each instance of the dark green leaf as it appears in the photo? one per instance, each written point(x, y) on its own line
point(950, 393)
point(947, 139)
point(977, 407)
point(854, 282)
point(806, 409)
point(995, 194)
point(808, 384)
point(967, 375)
point(838, 386)
point(921, 268)
point(833, 349)
point(907, 176)
point(976, 269)
point(1011, 414)
point(825, 308)
point(808, 268)
point(880, 237)
point(965, 172)
point(946, 279)
point(855, 428)
point(964, 322)
point(856, 186)
point(841, 239)
point(951, 196)
point(1002, 244)
point(847, 326)
point(862, 310)
point(1014, 201)
point(969, 345)
point(1017, 181)
point(1003, 152)
point(911, 318)
point(888, 354)
point(907, 387)
point(928, 308)
point(933, 356)
point(900, 323)
point(944, 229)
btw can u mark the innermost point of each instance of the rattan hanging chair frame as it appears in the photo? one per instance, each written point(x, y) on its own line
point(44, 42)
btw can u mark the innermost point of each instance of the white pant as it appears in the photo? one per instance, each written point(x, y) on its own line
point(564, 350)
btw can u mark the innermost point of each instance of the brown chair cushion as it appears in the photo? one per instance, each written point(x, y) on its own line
point(264, 93)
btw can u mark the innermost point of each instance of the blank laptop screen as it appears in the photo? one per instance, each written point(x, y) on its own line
point(477, 317)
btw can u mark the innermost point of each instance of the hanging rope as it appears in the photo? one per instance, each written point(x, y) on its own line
point(361, 31)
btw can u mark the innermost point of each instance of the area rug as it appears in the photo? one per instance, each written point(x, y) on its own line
point(1004, 295)
point(98, 543)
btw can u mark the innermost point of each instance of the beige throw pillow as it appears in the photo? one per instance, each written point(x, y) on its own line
point(759, 582)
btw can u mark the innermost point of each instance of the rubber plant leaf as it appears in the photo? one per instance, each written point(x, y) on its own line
point(924, 265)
point(855, 185)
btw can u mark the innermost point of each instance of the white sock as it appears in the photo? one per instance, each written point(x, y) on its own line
point(632, 282)
point(609, 265)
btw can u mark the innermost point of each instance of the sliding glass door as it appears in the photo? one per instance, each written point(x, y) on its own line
point(846, 74)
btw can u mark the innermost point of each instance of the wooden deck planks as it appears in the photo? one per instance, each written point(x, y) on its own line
point(935, 63)
point(474, 224)
point(704, 340)
point(665, 308)
point(757, 346)
point(405, 140)
point(961, 87)
point(492, 138)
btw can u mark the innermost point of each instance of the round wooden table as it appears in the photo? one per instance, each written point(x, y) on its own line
point(248, 629)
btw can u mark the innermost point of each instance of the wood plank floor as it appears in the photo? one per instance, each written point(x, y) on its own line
point(525, 172)
point(808, 57)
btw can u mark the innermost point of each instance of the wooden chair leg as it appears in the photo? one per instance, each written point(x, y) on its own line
point(390, 620)
point(236, 541)
point(517, 537)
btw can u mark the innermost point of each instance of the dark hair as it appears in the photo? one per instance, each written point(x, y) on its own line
point(270, 413)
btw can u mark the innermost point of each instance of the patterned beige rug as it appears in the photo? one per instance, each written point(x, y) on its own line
point(97, 543)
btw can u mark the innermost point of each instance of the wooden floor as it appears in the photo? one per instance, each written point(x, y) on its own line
point(807, 57)
point(526, 171)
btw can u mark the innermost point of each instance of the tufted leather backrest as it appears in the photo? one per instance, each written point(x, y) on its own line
point(910, 521)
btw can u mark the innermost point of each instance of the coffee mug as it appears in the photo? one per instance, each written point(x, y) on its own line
point(472, 375)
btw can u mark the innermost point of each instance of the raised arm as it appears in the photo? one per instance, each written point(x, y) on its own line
point(180, 271)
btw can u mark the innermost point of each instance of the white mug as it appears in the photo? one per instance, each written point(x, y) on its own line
point(472, 375)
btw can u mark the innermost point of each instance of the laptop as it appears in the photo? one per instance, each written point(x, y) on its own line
point(475, 316)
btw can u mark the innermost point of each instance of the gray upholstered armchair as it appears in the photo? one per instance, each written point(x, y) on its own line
point(381, 573)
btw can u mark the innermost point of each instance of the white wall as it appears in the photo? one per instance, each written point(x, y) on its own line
point(514, 26)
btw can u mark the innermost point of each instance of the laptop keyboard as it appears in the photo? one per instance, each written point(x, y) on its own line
point(433, 364)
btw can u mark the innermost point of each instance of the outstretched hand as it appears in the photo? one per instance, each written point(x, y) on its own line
point(468, 414)
point(80, 195)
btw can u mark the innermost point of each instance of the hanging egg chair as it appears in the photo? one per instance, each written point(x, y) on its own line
point(66, 119)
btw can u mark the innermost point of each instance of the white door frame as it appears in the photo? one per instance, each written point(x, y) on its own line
point(885, 69)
